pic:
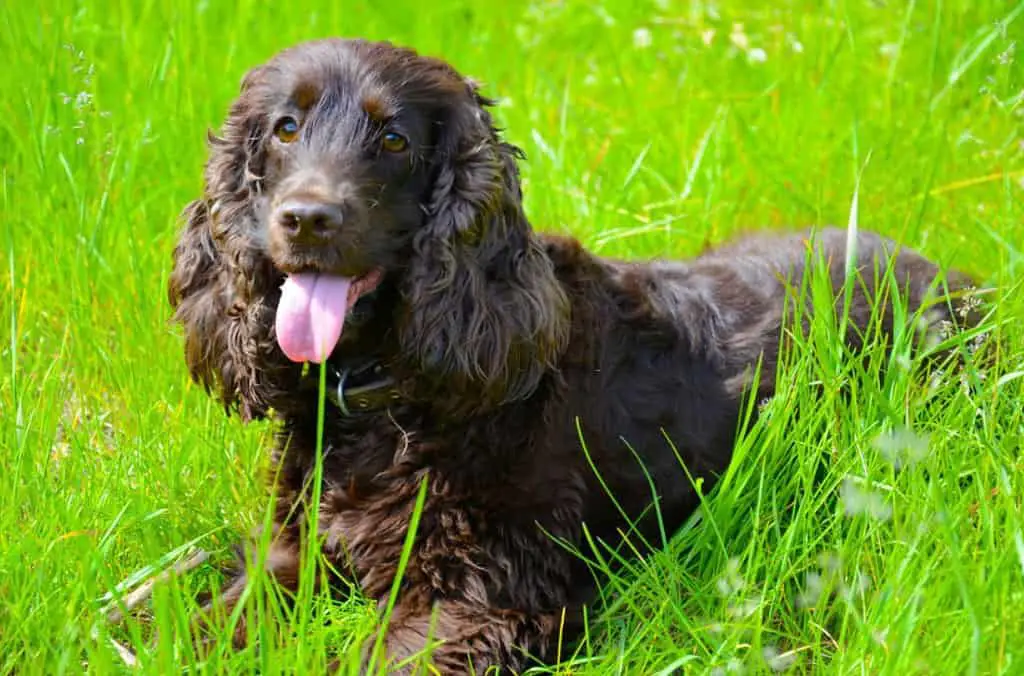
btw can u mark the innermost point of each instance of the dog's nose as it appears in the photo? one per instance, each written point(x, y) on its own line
point(309, 220)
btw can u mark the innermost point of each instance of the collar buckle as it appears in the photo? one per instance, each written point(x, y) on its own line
point(352, 399)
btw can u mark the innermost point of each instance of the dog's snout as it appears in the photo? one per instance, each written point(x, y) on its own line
point(310, 220)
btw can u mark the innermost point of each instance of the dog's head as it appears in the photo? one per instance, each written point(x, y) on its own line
point(353, 174)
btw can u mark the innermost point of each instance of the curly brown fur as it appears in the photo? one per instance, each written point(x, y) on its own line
point(506, 345)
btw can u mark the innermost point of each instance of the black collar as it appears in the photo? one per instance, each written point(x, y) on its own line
point(361, 388)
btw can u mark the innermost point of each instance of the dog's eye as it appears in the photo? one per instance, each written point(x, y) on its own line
point(394, 143)
point(286, 129)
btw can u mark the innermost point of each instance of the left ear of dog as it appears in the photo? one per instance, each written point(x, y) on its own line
point(225, 315)
point(485, 316)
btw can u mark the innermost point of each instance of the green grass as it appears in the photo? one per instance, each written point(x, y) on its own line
point(651, 128)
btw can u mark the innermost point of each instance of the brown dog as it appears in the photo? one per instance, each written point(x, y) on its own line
point(362, 213)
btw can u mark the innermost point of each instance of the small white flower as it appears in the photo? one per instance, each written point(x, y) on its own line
point(861, 585)
point(733, 666)
point(811, 592)
point(830, 562)
point(757, 55)
point(731, 582)
point(743, 608)
point(857, 500)
point(776, 660)
point(707, 36)
point(738, 37)
point(902, 447)
point(642, 38)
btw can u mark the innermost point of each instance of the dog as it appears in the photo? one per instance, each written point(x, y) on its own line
point(362, 222)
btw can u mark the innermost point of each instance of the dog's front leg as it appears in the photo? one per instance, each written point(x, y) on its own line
point(455, 637)
point(281, 562)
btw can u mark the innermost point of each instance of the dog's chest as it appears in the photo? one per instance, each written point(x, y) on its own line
point(365, 531)
point(475, 504)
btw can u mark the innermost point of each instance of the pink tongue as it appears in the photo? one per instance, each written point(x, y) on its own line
point(310, 315)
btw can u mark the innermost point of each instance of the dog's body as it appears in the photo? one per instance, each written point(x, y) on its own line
point(521, 377)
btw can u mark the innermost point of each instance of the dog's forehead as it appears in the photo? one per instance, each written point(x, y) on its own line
point(377, 76)
point(311, 81)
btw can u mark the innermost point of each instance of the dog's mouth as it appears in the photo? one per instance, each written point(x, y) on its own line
point(312, 311)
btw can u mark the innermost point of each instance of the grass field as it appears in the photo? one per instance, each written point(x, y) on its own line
point(651, 128)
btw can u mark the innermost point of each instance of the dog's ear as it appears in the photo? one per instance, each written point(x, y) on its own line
point(199, 291)
point(220, 285)
point(484, 316)
point(234, 170)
